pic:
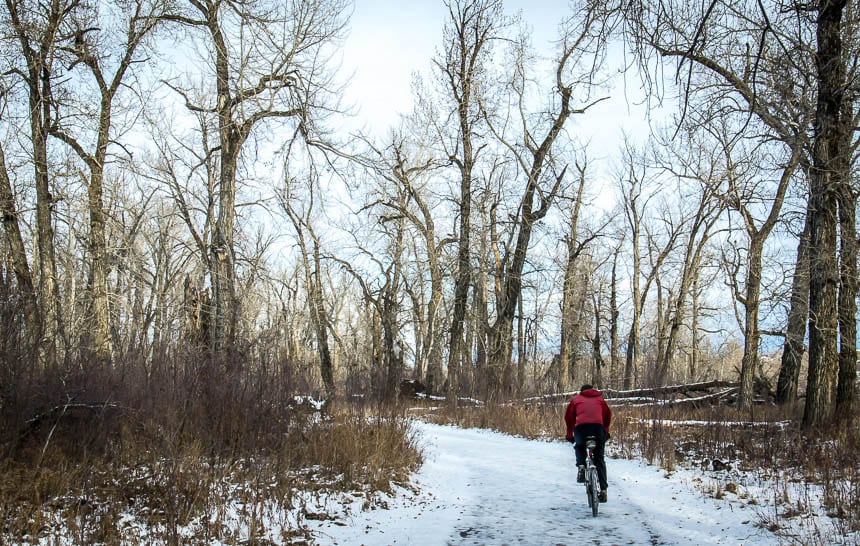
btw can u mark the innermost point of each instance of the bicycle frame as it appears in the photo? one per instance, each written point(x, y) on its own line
point(592, 481)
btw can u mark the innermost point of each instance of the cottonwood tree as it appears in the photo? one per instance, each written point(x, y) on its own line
point(749, 190)
point(471, 29)
point(407, 167)
point(488, 199)
point(698, 182)
point(34, 34)
point(184, 165)
point(832, 307)
point(638, 185)
point(267, 63)
point(795, 330)
point(576, 244)
point(105, 44)
point(18, 256)
point(615, 313)
point(309, 249)
point(759, 58)
point(381, 284)
point(533, 142)
point(598, 363)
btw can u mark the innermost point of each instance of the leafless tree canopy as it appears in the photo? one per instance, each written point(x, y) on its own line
point(176, 194)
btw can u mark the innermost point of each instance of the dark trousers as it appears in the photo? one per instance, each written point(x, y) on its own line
point(580, 433)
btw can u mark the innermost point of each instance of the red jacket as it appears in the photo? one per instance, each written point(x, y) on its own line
point(587, 407)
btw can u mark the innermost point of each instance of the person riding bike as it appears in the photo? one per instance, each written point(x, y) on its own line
point(588, 414)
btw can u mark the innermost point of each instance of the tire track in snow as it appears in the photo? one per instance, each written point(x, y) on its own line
point(526, 492)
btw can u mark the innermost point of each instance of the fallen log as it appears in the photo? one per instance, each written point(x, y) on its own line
point(720, 397)
point(657, 392)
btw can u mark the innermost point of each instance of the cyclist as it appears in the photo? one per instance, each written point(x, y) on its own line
point(588, 414)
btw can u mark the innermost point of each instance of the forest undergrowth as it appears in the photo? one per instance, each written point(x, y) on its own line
point(181, 455)
point(761, 458)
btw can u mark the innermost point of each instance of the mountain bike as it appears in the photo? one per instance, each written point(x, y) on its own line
point(592, 480)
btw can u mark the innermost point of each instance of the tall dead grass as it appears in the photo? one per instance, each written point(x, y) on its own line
point(531, 421)
point(173, 447)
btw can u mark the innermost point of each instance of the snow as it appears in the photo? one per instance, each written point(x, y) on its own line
point(483, 487)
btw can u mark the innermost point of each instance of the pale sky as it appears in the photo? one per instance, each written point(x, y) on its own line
point(389, 40)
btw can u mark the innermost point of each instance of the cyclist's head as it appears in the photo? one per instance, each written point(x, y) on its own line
point(585, 387)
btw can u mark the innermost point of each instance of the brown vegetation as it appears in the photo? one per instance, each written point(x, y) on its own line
point(122, 457)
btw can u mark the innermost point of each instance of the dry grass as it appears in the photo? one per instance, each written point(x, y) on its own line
point(533, 421)
point(183, 459)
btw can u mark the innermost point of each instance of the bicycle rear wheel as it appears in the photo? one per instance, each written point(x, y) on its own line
point(593, 490)
point(588, 492)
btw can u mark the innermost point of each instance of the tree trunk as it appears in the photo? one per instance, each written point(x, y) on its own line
point(37, 47)
point(829, 155)
point(792, 352)
point(568, 298)
point(432, 339)
point(749, 362)
point(18, 252)
point(613, 324)
point(222, 257)
point(48, 288)
point(100, 334)
point(461, 288)
point(390, 308)
point(480, 320)
point(597, 356)
point(673, 324)
point(694, 330)
point(319, 316)
point(522, 351)
point(631, 359)
point(471, 27)
point(847, 299)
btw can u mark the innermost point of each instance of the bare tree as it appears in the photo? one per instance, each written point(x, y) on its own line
point(532, 146)
point(613, 319)
point(774, 85)
point(740, 194)
point(571, 301)
point(638, 188)
point(311, 264)
point(38, 31)
point(267, 62)
point(382, 293)
point(185, 166)
point(830, 187)
point(472, 26)
point(698, 229)
point(108, 59)
point(407, 167)
point(795, 331)
point(18, 253)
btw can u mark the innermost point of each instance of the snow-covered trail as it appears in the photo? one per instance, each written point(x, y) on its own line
point(481, 487)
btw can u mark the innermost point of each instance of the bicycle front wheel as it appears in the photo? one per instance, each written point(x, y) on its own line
point(593, 491)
